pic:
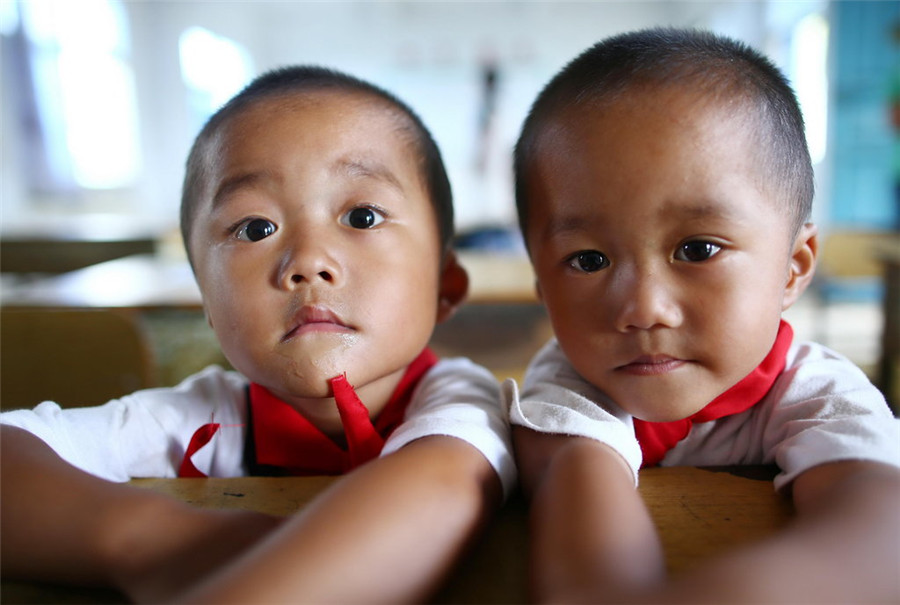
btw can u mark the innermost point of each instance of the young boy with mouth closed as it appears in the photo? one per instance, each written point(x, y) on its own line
point(317, 217)
point(664, 186)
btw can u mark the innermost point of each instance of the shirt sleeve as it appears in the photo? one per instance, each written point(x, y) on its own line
point(461, 399)
point(145, 434)
point(555, 399)
point(827, 411)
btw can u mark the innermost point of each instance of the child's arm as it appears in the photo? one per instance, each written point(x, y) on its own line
point(843, 546)
point(592, 535)
point(64, 525)
point(592, 538)
point(388, 532)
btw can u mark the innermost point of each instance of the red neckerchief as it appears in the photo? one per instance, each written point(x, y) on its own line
point(657, 438)
point(285, 440)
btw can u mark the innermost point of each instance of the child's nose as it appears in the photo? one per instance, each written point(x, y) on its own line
point(647, 301)
point(307, 263)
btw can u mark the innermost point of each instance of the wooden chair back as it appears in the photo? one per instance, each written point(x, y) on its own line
point(74, 357)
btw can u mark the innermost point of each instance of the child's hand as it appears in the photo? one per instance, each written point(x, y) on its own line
point(170, 546)
point(147, 545)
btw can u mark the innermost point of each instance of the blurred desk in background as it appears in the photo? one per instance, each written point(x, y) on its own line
point(55, 245)
point(143, 281)
point(500, 326)
point(499, 278)
point(699, 513)
point(149, 281)
point(888, 253)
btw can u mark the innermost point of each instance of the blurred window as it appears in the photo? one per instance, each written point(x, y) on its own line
point(213, 68)
point(809, 73)
point(80, 84)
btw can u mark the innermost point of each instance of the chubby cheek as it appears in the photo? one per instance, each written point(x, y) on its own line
point(742, 334)
point(576, 317)
point(403, 315)
point(236, 338)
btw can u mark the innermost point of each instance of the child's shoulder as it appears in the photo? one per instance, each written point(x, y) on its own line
point(211, 380)
point(827, 382)
point(461, 367)
point(454, 379)
point(810, 360)
point(212, 393)
point(211, 390)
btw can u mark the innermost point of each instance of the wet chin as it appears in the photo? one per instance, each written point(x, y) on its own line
point(304, 378)
point(312, 378)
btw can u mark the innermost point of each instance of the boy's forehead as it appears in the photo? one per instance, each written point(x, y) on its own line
point(639, 137)
point(356, 134)
point(643, 115)
point(348, 118)
point(342, 103)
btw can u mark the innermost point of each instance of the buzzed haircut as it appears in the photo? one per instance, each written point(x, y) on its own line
point(301, 79)
point(711, 64)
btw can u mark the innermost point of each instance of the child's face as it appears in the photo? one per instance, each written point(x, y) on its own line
point(660, 254)
point(318, 252)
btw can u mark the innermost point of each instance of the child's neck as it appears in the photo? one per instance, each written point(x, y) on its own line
point(323, 412)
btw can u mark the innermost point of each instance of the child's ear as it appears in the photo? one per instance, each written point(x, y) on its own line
point(453, 289)
point(802, 265)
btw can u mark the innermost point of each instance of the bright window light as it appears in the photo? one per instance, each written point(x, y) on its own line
point(101, 128)
point(213, 67)
point(85, 91)
point(9, 18)
point(810, 79)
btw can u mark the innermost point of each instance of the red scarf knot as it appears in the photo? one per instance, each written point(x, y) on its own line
point(288, 442)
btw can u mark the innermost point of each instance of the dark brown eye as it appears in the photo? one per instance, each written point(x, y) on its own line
point(695, 252)
point(362, 217)
point(588, 261)
point(256, 229)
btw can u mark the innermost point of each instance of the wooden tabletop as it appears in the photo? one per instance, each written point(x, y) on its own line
point(147, 281)
point(887, 252)
point(699, 513)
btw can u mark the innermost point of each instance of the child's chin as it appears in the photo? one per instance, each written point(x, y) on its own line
point(664, 411)
point(310, 380)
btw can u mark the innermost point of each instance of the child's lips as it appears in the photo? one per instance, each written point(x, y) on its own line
point(652, 365)
point(316, 318)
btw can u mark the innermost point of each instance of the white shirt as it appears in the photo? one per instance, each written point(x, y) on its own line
point(146, 433)
point(822, 408)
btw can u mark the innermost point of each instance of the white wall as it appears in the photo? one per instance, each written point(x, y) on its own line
point(428, 53)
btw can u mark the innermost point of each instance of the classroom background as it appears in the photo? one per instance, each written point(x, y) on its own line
point(102, 98)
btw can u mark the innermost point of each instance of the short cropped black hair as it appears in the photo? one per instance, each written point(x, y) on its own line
point(720, 67)
point(301, 79)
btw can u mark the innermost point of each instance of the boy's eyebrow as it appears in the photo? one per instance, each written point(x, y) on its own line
point(355, 168)
point(570, 223)
point(701, 210)
point(367, 168)
point(561, 225)
point(236, 183)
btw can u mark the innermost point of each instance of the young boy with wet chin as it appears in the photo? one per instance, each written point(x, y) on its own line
point(664, 187)
point(317, 217)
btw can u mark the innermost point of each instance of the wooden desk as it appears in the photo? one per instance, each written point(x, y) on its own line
point(888, 253)
point(141, 281)
point(699, 513)
point(57, 244)
point(499, 278)
point(148, 282)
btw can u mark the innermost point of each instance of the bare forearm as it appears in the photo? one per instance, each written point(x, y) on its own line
point(53, 515)
point(63, 525)
point(843, 547)
point(389, 532)
point(593, 539)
